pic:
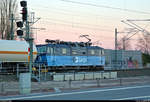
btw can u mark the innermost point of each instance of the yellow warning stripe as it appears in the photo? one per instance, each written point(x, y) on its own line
point(16, 52)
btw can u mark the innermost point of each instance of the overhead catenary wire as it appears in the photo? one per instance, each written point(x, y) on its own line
point(108, 7)
point(76, 13)
point(75, 23)
point(75, 33)
point(74, 28)
point(80, 27)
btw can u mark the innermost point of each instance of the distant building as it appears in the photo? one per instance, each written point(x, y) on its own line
point(123, 59)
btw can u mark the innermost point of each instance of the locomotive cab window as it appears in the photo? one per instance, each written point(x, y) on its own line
point(38, 50)
point(64, 51)
point(102, 52)
point(42, 49)
point(74, 52)
point(50, 50)
point(92, 52)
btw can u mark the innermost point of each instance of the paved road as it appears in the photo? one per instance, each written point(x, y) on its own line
point(116, 93)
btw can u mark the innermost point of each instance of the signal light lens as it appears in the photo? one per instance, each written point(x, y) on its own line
point(19, 33)
point(24, 14)
point(19, 24)
point(23, 3)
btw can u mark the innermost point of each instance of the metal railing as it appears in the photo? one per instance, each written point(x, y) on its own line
point(12, 88)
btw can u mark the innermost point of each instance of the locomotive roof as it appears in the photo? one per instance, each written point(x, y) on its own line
point(66, 46)
point(59, 43)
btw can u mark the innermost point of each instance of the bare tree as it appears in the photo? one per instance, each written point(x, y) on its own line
point(7, 8)
point(144, 44)
point(124, 43)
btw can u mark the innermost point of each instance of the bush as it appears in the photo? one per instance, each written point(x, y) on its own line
point(145, 59)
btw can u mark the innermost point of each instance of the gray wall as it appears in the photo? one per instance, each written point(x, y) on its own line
point(131, 72)
point(123, 59)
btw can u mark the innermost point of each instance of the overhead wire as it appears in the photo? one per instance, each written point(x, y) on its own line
point(75, 23)
point(91, 5)
point(80, 27)
point(73, 13)
point(103, 6)
point(75, 33)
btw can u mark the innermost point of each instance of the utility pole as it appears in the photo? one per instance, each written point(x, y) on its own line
point(28, 38)
point(116, 38)
point(116, 47)
point(12, 27)
point(123, 42)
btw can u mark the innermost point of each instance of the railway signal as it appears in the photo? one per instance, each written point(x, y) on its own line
point(20, 31)
point(27, 27)
point(24, 10)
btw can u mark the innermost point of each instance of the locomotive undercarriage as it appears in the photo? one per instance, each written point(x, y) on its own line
point(75, 68)
point(14, 68)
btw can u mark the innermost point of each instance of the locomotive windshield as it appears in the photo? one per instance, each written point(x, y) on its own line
point(41, 49)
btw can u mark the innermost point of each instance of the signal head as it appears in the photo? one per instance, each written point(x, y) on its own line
point(20, 24)
point(23, 3)
point(19, 33)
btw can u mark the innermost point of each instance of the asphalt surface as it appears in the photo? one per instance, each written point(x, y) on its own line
point(132, 92)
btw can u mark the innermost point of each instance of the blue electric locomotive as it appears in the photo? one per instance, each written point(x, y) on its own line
point(60, 54)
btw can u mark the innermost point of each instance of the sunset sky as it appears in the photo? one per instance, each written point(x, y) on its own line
point(68, 19)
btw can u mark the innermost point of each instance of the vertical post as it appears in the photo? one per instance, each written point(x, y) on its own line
point(17, 70)
point(70, 82)
point(116, 47)
point(45, 72)
point(12, 27)
point(27, 29)
point(39, 72)
point(120, 82)
point(31, 54)
point(30, 41)
point(123, 59)
point(116, 38)
point(124, 47)
point(1, 66)
point(2, 36)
